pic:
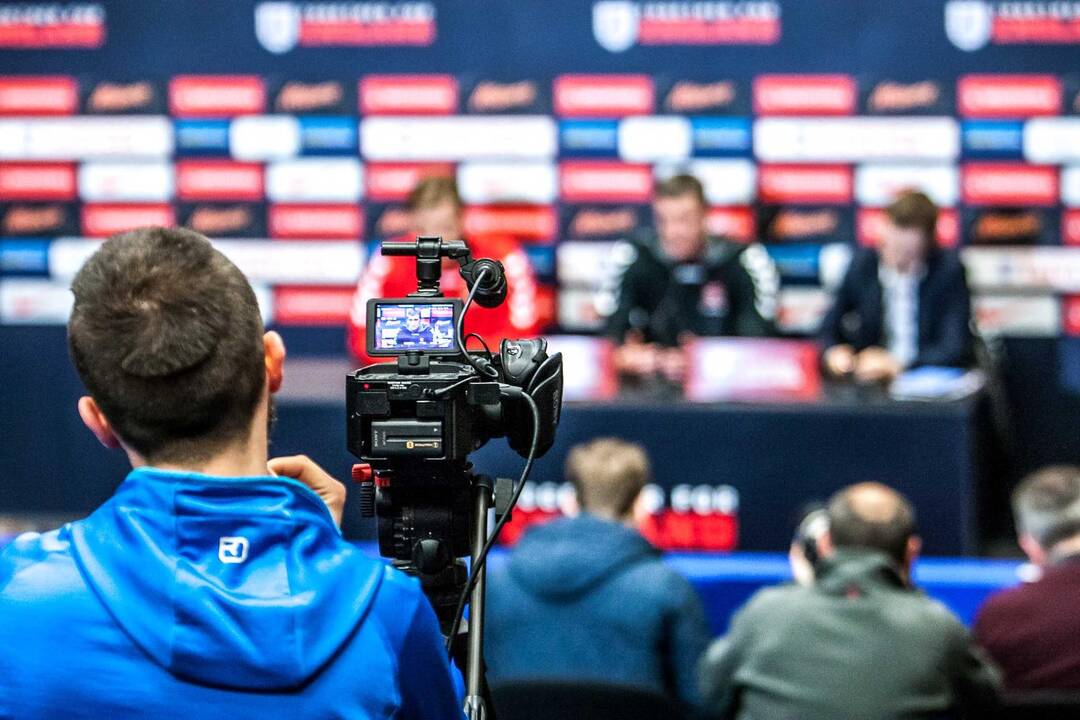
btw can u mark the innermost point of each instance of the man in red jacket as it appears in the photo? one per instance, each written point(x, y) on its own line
point(437, 210)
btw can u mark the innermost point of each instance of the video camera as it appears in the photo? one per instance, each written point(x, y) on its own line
point(413, 423)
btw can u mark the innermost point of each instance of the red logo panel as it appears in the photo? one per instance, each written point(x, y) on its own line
point(216, 95)
point(603, 95)
point(805, 95)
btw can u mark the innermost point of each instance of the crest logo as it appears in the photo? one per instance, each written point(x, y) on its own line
point(232, 550)
point(277, 26)
point(615, 24)
point(969, 23)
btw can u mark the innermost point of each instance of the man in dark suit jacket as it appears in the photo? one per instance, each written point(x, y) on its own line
point(903, 305)
point(1033, 630)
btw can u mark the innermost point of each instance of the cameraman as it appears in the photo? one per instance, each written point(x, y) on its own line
point(214, 583)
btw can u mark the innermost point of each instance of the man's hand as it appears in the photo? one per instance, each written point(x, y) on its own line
point(304, 469)
point(673, 363)
point(636, 358)
point(840, 360)
point(875, 364)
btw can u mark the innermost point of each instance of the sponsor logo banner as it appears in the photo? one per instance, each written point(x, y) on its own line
point(216, 220)
point(753, 369)
point(140, 96)
point(805, 184)
point(602, 221)
point(805, 95)
point(408, 95)
point(869, 223)
point(1008, 226)
point(219, 180)
point(281, 26)
point(52, 25)
point(315, 221)
point(688, 97)
point(603, 95)
point(202, 137)
point(522, 222)
point(328, 96)
point(106, 220)
point(28, 301)
point(1070, 227)
point(391, 182)
point(721, 136)
point(733, 223)
point(313, 305)
point(1052, 140)
point(619, 25)
point(655, 139)
point(303, 262)
point(880, 184)
point(491, 96)
point(726, 182)
point(588, 138)
point(796, 261)
point(216, 95)
point(126, 182)
point(37, 181)
point(318, 180)
point(1071, 312)
point(1055, 269)
point(458, 138)
point(37, 219)
point(1009, 184)
point(1017, 315)
point(84, 138)
point(329, 135)
point(1070, 186)
point(857, 139)
point(533, 182)
point(1008, 96)
point(997, 139)
point(38, 95)
point(604, 182)
point(898, 98)
point(265, 137)
point(24, 257)
point(973, 24)
point(804, 224)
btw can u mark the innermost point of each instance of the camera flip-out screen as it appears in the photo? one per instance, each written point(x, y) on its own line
point(396, 326)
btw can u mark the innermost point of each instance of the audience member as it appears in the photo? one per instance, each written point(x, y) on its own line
point(1033, 631)
point(588, 598)
point(860, 642)
point(684, 283)
point(903, 305)
point(436, 210)
point(214, 583)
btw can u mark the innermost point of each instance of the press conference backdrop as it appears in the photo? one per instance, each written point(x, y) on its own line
point(291, 131)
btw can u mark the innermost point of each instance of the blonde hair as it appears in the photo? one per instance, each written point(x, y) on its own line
point(608, 475)
point(433, 191)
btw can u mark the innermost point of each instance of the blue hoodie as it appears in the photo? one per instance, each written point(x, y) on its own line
point(588, 599)
point(196, 597)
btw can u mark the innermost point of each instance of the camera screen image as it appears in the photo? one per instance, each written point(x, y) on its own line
point(411, 326)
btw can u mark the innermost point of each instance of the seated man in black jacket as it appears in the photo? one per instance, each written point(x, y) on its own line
point(684, 283)
point(903, 305)
point(860, 642)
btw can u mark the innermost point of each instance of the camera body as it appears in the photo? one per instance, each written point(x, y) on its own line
point(414, 422)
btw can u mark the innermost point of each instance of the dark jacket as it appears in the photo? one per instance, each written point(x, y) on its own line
point(193, 597)
point(732, 290)
point(1033, 630)
point(857, 316)
point(588, 599)
point(858, 645)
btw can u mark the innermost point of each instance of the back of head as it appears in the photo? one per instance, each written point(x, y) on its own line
point(166, 335)
point(608, 475)
point(1047, 505)
point(434, 191)
point(872, 516)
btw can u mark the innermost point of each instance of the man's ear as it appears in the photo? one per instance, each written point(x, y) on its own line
point(96, 421)
point(911, 553)
point(1031, 547)
point(274, 349)
point(825, 547)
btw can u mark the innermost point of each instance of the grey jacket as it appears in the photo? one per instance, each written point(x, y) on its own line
point(858, 645)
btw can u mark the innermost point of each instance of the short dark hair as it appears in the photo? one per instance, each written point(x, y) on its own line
point(167, 337)
point(913, 209)
point(1047, 504)
point(432, 191)
point(678, 186)
point(872, 516)
point(608, 475)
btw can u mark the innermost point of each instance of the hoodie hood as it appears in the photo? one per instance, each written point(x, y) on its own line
point(240, 583)
point(568, 557)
